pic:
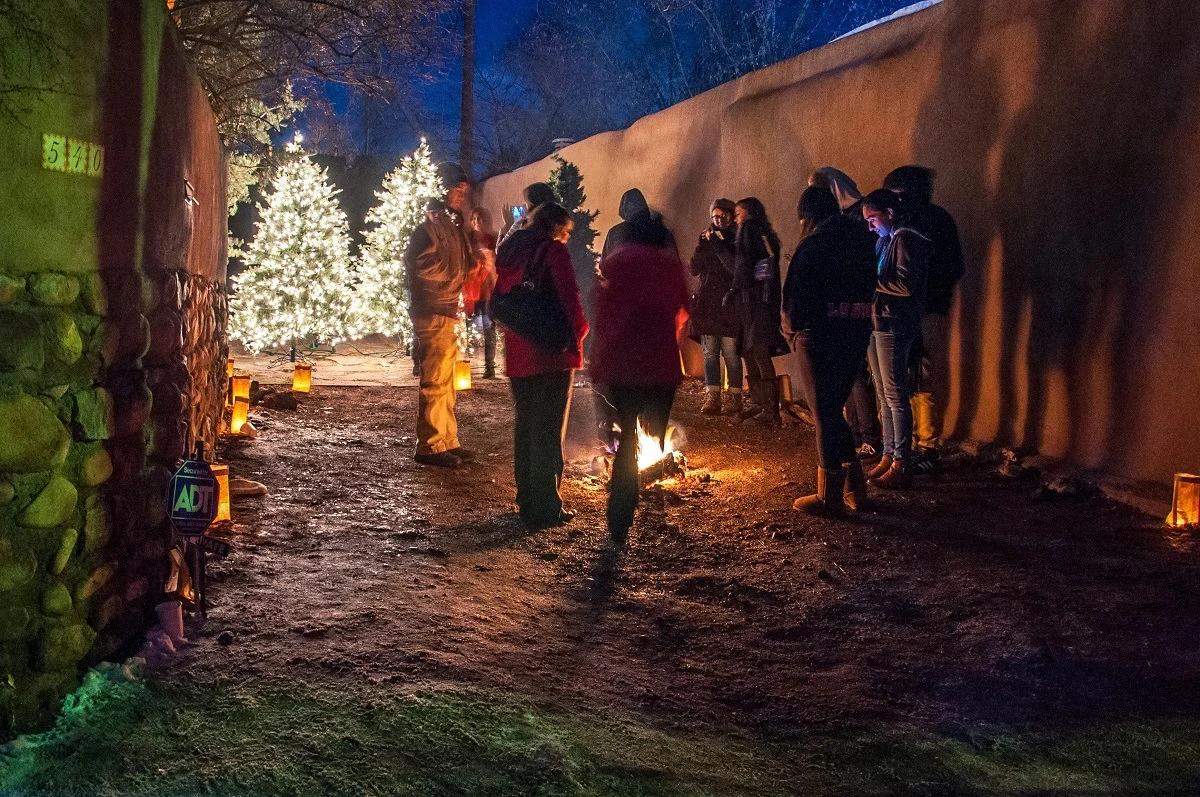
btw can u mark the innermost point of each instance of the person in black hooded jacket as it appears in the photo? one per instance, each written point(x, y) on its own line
point(827, 304)
point(930, 358)
point(635, 215)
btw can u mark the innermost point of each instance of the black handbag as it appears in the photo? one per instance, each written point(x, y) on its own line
point(531, 310)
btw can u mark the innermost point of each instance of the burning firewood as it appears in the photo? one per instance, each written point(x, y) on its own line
point(669, 465)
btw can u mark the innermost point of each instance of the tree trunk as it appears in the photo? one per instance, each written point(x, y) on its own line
point(466, 137)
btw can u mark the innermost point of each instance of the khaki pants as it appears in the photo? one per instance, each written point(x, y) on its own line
point(928, 403)
point(437, 429)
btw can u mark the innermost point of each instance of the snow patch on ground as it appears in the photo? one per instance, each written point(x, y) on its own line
point(904, 12)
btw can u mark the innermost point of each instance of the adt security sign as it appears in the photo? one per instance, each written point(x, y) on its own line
point(193, 498)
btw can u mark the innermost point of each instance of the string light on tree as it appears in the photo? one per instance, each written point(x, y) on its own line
point(381, 301)
point(297, 288)
point(470, 337)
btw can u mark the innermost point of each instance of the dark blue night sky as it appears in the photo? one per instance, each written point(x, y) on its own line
point(431, 107)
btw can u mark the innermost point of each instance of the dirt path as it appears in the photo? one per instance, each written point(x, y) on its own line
point(961, 606)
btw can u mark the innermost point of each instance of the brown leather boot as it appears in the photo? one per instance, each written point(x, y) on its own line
point(881, 468)
point(854, 494)
point(896, 478)
point(712, 403)
point(827, 502)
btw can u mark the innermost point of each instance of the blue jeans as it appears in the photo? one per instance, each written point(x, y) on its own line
point(718, 348)
point(888, 356)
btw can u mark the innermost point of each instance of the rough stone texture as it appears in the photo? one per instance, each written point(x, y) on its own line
point(31, 437)
point(55, 290)
point(53, 506)
point(99, 283)
point(10, 287)
point(93, 418)
point(1072, 169)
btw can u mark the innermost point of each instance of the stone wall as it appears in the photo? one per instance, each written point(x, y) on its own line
point(1066, 134)
point(112, 354)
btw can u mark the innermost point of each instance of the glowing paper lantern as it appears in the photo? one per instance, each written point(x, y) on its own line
point(241, 409)
point(1185, 503)
point(221, 474)
point(241, 388)
point(229, 367)
point(302, 378)
point(462, 375)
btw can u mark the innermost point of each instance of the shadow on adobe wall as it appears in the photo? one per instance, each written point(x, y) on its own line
point(1075, 218)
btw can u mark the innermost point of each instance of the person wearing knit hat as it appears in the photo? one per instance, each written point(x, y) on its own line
point(710, 323)
point(437, 260)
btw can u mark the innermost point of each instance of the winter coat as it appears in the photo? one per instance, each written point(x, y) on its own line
point(633, 204)
point(477, 287)
point(831, 280)
point(639, 297)
point(713, 264)
point(526, 252)
point(903, 274)
point(436, 263)
point(757, 303)
point(946, 265)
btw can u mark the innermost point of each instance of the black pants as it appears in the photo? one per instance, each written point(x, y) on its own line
point(542, 403)
point(760, 373)
point(830, 363)
point(650, 404)
point(862, 411)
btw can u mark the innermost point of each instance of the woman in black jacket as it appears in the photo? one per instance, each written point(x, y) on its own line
point(756, 297)
point(711, 323)
point(827, 301)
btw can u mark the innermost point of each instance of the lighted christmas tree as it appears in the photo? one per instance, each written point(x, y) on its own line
point(298, 287)
point(381, 301)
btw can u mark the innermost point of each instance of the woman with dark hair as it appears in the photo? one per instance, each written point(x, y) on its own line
point(903, 268)
point(756, 296)
point(711, 323)
point(541, 379)
point(635, 354)
point(827, 302)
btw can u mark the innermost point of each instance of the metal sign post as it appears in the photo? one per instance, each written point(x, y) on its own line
point(193, 506)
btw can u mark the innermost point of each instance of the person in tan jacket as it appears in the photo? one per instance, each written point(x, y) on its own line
point(437, 260)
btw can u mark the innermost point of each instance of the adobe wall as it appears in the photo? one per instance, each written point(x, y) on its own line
point(112, 318)
point(1066, 135)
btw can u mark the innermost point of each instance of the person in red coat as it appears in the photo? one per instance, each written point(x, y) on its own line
point(640, 292)
point(541, 380)
point(477, 287)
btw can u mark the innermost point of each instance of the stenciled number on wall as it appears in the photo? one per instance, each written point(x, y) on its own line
point(72, 155)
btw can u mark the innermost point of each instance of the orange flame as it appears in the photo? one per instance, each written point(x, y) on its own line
point(649, 450)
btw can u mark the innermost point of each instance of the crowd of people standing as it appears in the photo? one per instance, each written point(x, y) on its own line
point(864, 306)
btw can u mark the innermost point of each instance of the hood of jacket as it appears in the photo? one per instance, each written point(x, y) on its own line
point(632, 203)
point(842, 186)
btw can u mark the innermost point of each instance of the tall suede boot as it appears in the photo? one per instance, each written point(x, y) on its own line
point(924, 432)
point(854, 494)
point(827, 502)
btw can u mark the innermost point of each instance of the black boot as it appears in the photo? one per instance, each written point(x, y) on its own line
point(769, 416)
point(752, 407)
point(489, 352)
